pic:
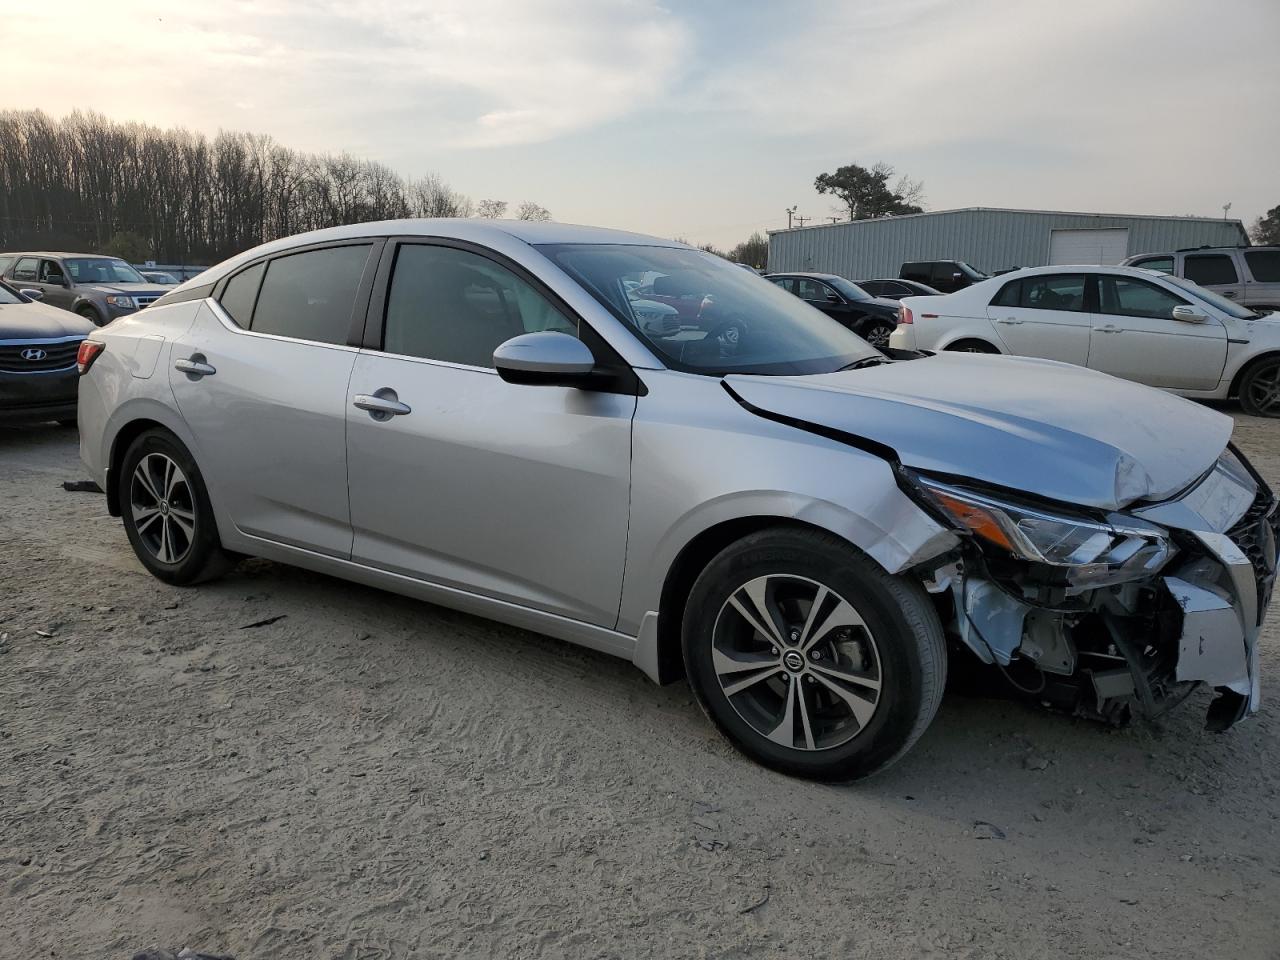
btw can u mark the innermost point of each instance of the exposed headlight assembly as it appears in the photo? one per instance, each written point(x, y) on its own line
point(1083, 551)
point(118, 300)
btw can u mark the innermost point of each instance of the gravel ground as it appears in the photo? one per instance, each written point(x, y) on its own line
point(373, 777)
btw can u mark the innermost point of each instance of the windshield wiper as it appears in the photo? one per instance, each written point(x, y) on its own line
point(864, 362)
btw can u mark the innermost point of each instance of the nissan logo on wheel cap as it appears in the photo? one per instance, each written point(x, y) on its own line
point(34, 353)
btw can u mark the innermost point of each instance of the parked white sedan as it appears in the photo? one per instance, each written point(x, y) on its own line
point(1138, 324)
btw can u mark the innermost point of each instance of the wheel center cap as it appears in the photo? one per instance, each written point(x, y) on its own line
point(164, 508)
point(793, 660)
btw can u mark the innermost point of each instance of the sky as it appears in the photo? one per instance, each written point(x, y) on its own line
point(705, 119)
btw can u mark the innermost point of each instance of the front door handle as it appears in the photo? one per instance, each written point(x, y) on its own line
point(194, 366)
point(382, 404)
point(1229, 293)
point(1009, 320)
point(1110, 328)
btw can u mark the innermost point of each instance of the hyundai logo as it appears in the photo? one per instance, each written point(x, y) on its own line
point(34, 353)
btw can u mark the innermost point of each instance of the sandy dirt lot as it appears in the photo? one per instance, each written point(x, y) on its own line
point(373, 777)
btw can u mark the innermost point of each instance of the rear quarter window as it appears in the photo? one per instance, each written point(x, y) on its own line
point(240, 293)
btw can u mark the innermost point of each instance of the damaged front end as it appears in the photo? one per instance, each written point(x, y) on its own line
point(1106, 614)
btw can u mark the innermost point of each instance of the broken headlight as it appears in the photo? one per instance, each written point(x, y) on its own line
point(1081, 551)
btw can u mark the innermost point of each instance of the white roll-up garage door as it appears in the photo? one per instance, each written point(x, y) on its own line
point(1089, 246)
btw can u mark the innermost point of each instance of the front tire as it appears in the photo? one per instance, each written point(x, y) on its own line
point(971, 346)
point(1260, 388)
point(166, 511)
point(810, 658)
point(91, 315)
point(878, 334)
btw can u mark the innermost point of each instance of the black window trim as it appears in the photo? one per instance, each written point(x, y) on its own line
point(359, 306)
point(615, 375)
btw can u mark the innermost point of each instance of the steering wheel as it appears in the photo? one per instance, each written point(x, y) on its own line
point(729, 333)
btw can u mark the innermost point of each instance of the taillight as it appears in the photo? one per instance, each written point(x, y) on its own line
point(904, 314)
point(88, 352)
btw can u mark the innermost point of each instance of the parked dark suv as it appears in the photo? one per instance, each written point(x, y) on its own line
point(96, 287)
point(945, 276)
point(871, 318)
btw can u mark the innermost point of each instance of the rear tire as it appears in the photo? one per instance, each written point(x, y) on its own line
point(166, 511)
point(833, 695)
point(878, 334)
point(1259, 392)
point(972, 346)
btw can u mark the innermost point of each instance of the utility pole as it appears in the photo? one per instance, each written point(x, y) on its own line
point(790, 213)
point(1225, 210)
point(803, 220)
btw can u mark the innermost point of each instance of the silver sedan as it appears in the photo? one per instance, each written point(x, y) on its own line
point(488, 416)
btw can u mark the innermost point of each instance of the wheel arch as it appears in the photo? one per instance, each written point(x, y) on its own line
point(662, 658)
point(1234, 390)
point(84, 303)
point(951, 342)
point(136, 419)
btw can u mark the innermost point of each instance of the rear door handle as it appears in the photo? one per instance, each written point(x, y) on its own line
point(381, 404)
point(194, 366)
point(1009, 320)
point(1110, 328)
point(1229, 293)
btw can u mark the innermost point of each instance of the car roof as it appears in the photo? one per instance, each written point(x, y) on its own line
point(802, 273)
point(1064, 268)
point(484, 231)
point(55, 255)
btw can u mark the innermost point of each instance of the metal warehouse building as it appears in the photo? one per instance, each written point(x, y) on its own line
point(989, 239)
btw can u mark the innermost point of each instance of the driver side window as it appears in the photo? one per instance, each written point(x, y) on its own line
point(809, 289)
point(458, 307)
point(51, 272)
point(1128, 297)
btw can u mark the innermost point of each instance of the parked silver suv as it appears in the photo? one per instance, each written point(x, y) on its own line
point(1248, 275)
point(98, 288)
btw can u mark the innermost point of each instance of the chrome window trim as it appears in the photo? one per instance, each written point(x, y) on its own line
point(232, 327)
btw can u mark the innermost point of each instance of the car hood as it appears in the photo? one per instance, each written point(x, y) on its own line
point(1050, 429)
point(36, 321)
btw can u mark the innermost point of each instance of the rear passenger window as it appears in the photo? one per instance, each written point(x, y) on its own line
point(1207, 268)
point(1009, 294)
point(309, 296)
point(241, 290)
point(456, 306)
point(1264, 265)
point(1059, 291)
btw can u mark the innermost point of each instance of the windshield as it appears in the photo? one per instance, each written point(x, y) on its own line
point(702, 314)
point(850, 289)
point(102, 270)
point(1229, 307)
point(8, 295)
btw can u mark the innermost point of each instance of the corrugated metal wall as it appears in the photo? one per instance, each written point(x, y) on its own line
point(987, 238)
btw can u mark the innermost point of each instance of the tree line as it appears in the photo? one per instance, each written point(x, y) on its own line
point(85, 182)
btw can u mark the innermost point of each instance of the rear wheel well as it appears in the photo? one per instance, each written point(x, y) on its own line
point(689, 563)
point(124, 439)
point(976, 344)
point(1235, 381)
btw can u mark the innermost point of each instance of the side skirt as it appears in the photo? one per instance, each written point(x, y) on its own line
point(563, 628)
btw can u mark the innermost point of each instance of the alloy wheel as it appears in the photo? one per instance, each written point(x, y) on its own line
point(1264, 390)
point(878, 336)
point(163, 508)
point(797, 662)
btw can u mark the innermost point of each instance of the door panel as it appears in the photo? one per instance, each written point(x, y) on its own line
point(1044, 316)
point(271, 427)
point(1136, 338)
point(516, 492)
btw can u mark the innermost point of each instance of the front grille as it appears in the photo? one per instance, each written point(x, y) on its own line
point(57, 356)
point(1256, 534)
point(146, 300)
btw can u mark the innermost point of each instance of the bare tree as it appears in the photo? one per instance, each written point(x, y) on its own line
point(87, 182)
point(532, 211)
point(491, 209)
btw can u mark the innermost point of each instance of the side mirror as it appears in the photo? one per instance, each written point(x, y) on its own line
point(1188, 315)
point(32, 294)
point(833, 297)
point(548, 358)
